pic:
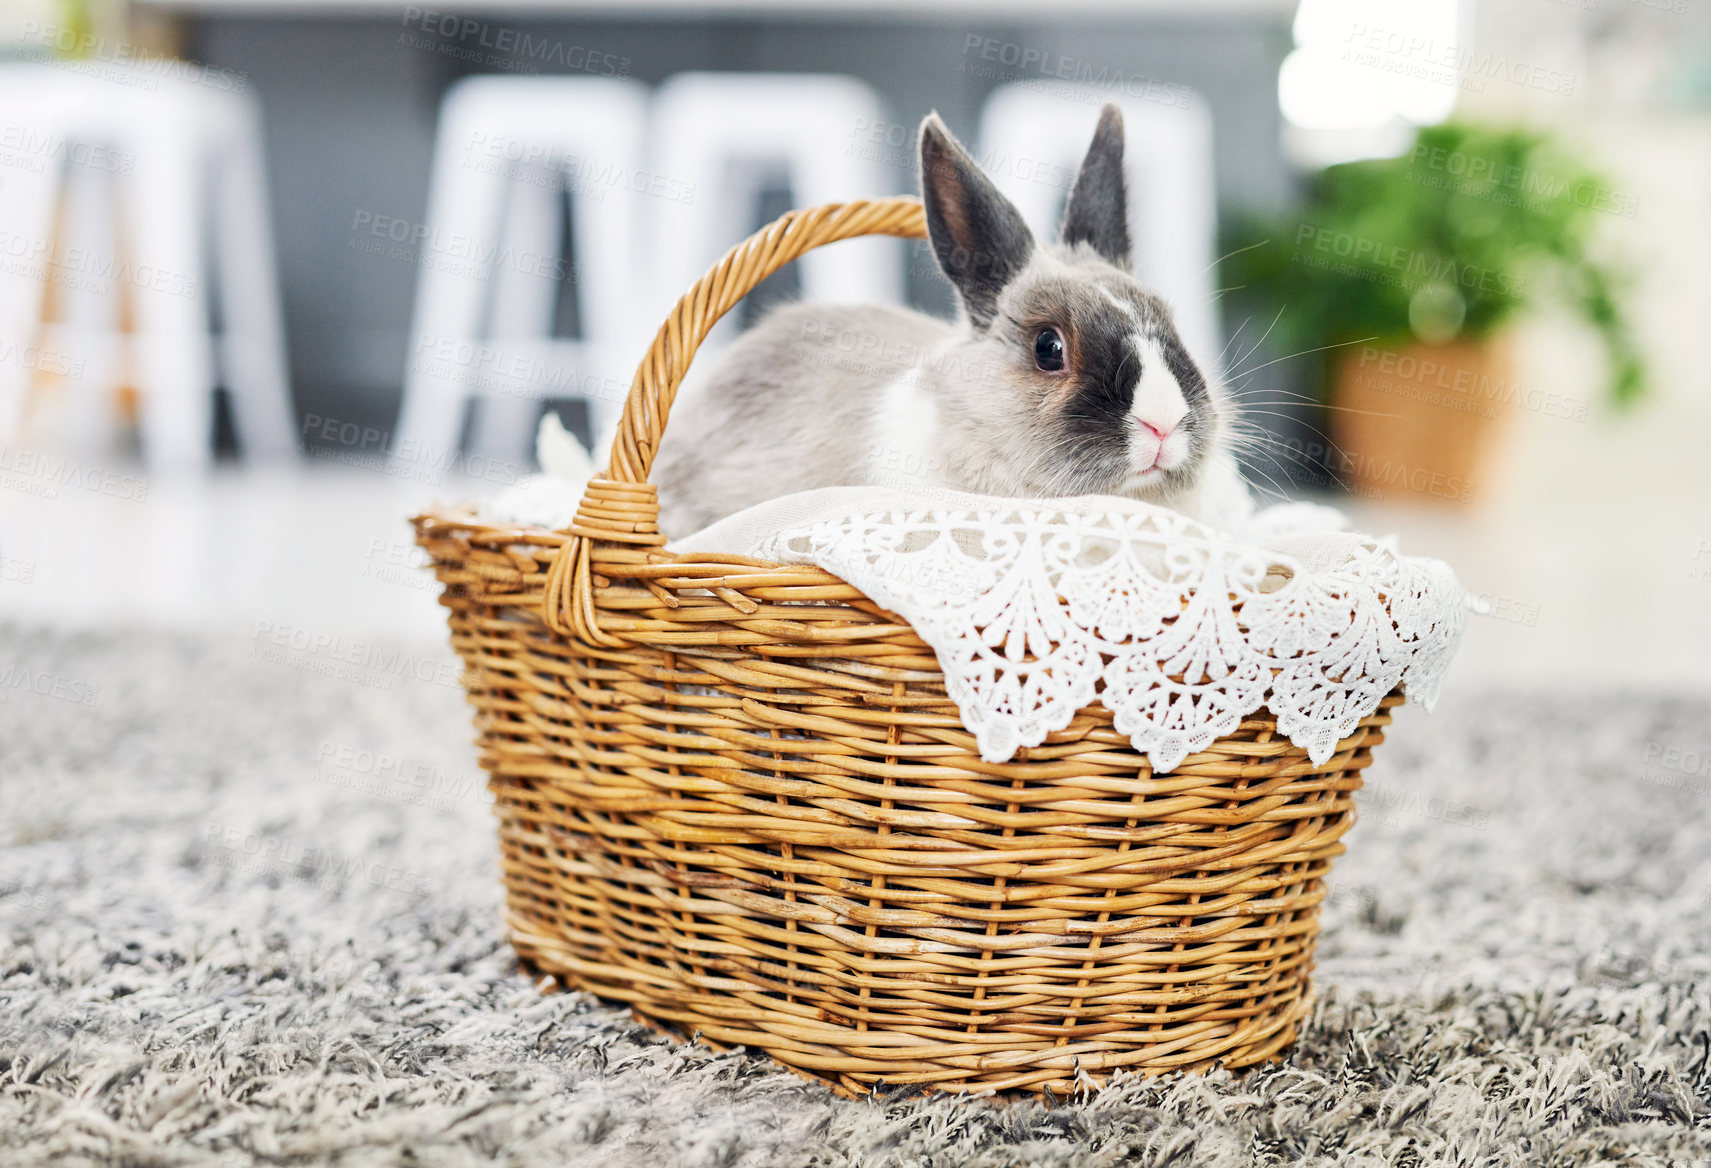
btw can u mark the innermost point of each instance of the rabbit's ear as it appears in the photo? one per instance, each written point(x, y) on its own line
point(978, 235)
point(1098, 212)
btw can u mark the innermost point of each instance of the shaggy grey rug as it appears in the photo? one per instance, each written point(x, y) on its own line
point(249, 914)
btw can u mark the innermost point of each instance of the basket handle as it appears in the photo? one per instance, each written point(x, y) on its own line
point(619, 505)
point(648, 406)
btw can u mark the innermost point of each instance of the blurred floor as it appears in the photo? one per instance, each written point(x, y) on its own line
point(250, 916)
point(1634, 612)
point(326, 549)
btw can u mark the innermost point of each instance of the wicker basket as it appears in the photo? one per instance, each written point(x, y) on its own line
point(735, 795)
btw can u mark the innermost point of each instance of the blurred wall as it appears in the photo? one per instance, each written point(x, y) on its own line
point(350, 107)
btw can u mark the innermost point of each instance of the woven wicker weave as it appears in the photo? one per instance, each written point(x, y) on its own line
point(735, 795)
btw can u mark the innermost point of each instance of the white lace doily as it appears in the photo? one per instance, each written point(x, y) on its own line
point(1037, 607)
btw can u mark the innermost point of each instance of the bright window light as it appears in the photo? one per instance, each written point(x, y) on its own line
point(1371, 68)
point(1319, 90)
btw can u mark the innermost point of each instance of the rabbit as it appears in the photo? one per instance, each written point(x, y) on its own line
point(1062, 377)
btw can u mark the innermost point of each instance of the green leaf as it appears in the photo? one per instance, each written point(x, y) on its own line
point(1501, 218)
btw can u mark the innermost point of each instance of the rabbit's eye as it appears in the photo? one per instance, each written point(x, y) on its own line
point(1048, 351)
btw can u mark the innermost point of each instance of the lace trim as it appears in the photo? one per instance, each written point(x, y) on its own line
point(1035, 610)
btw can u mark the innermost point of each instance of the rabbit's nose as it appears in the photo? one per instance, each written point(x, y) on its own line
point(1160, 433)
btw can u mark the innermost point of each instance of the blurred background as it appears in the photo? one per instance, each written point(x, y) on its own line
point(275, 275)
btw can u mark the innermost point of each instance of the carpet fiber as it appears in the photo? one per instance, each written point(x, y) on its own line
point(249, 914)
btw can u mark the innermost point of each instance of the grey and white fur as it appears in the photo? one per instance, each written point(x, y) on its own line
point(1063, 375)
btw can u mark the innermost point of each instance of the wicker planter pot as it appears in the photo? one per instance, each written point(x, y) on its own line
point(1420, 421)
point(735, 795)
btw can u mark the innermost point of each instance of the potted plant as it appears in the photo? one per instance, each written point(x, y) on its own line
point(1406, 270)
